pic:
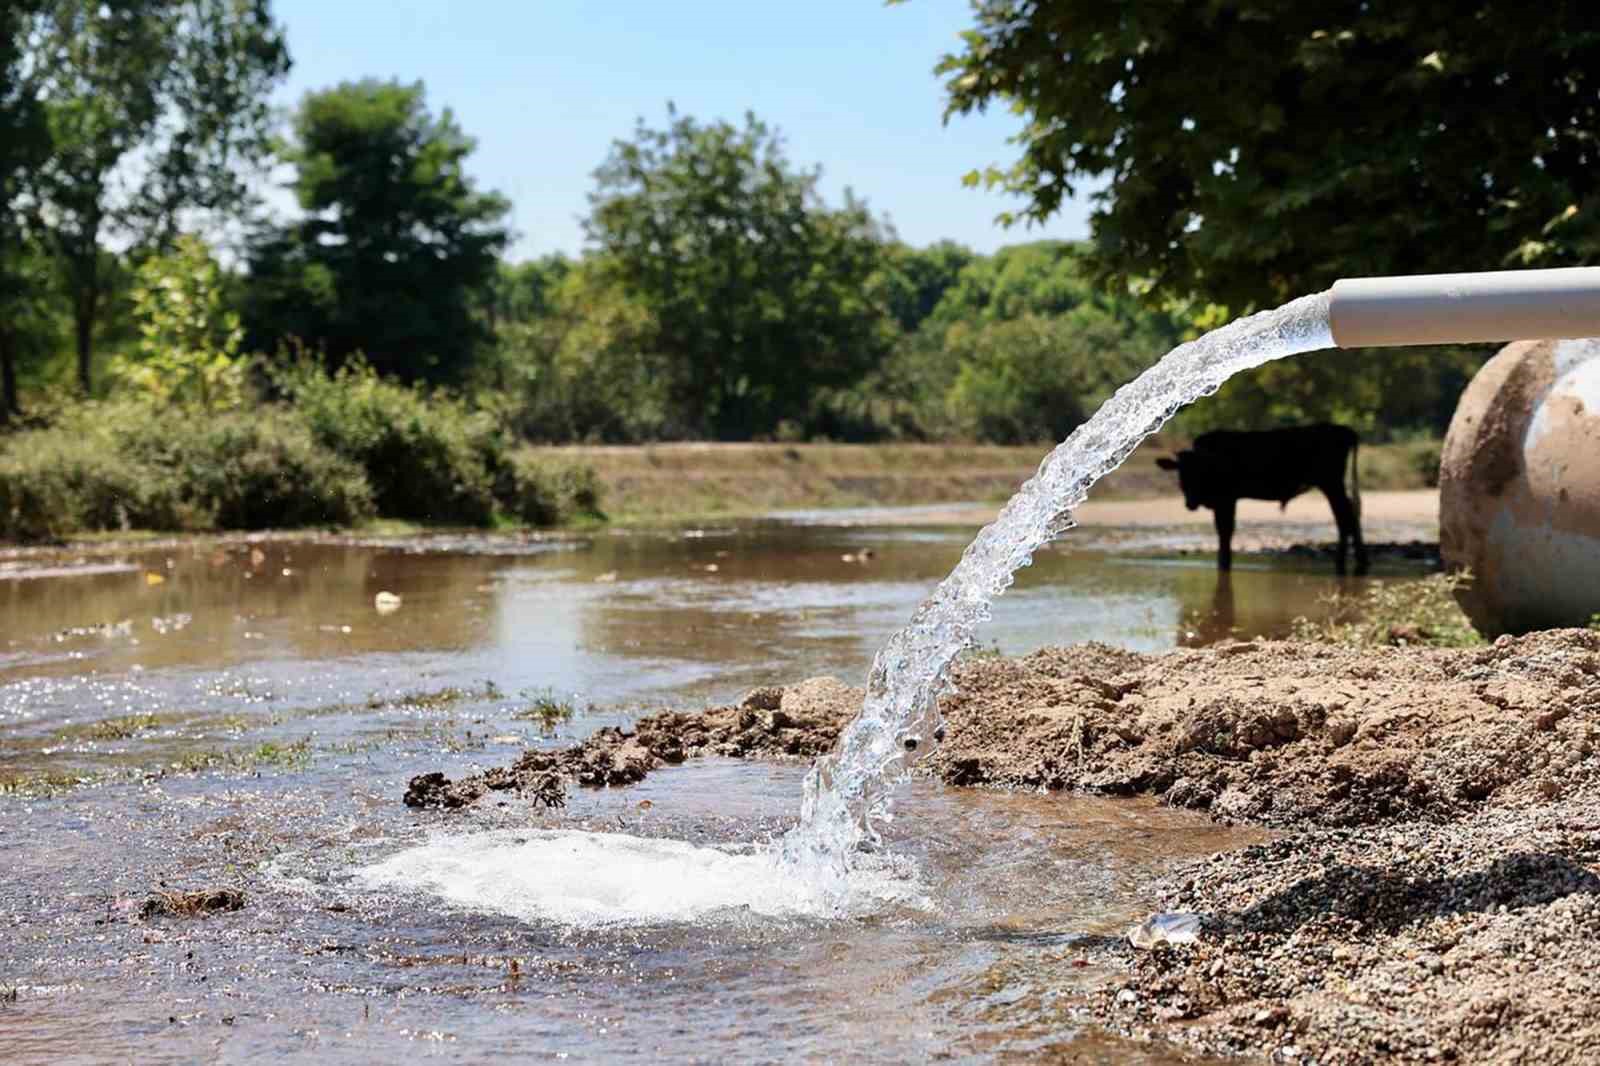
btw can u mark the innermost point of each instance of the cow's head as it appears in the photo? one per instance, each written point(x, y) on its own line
point(1200, 476)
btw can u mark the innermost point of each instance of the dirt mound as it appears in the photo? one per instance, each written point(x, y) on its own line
point(1286, 733)
point(1272, 732)
point(1458, 923)
point(1471, 942)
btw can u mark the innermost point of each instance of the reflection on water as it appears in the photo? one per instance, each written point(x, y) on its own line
point(665, 616)
point(279, 641)
point(246, 716)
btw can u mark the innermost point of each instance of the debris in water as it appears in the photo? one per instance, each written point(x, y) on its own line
point(189, 904)
point(434, 790)
point(386, 602)
point(1166, 928)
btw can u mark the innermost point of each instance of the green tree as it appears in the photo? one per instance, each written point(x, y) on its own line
point(759, 291)
point(916, 279)
point(188, 350)
point(523, 292)
point(1041, 278)
point(1251, 152)
point(154, 108)
point(24, 143)
point(1035, 378)
point(585, 369)
point(396, 243)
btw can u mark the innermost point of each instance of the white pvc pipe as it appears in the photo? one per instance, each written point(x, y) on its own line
point(1506, 305)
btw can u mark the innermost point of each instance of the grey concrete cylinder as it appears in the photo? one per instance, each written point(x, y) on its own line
point(1519, 488)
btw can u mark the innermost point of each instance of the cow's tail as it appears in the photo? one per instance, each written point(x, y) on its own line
point(1355, 478)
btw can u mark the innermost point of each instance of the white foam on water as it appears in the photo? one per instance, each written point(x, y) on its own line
point(589, 880)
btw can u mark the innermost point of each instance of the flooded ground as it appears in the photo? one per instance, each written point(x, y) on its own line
point(239, 712)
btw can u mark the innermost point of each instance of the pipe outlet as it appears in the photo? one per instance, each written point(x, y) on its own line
point(1500, 305)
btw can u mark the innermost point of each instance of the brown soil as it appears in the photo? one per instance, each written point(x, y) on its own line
point(1468, 942)
point(1270, 732)
point(1288, 734)
point(1436, 899)
point(194, 902)
point(796, 721)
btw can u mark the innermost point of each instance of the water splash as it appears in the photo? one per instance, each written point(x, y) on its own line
point(848, 791)
point(601, 880)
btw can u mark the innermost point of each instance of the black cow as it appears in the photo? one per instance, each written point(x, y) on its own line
point(1276, 464)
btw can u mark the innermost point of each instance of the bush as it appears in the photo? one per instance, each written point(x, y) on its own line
point(1036, 379)
point(428, 458)
point(267, 470)
point(347, 447)
point(547, 495)
point(54, 482)
point(132, 466)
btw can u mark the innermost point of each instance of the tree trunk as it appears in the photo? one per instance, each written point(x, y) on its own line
point(83, 313)
point(8, 376)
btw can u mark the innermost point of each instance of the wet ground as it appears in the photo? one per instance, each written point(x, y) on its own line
point(240, 713)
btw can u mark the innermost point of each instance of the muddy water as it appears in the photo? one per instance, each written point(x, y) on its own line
point(239, 713)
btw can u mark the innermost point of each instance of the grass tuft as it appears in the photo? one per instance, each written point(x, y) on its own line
point(1422, 612)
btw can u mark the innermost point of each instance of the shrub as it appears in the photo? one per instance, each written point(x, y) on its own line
point(545, 495)
point(267, 470)
point(131, 466)
point(428, 458)
point(54, 482)
point(1034, 378)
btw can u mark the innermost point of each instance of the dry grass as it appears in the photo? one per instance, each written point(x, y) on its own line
point(662, 482)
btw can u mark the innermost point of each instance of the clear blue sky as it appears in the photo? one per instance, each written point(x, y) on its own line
point(546, 85)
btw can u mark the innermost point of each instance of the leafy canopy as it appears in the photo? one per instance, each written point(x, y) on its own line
point(1254, 150)
point(395, 241)
point(760, 292)
point(153, 109)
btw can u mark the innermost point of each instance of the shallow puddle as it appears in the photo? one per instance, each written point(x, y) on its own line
point(240, 713)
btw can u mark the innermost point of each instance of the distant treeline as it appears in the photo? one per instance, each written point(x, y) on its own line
point(720, 296)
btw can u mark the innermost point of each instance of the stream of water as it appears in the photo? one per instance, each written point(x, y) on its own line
point(831, 862)
point(237, 713)
point(849, 791)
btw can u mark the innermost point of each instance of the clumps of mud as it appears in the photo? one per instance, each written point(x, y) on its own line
point(1471, 942)
point(194, 903)
point(1268, 732)
point(797, 721)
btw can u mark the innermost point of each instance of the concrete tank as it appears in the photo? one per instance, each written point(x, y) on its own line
point(1519, 488)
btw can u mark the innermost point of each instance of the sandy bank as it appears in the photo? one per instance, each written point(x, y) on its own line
point(1419, 506)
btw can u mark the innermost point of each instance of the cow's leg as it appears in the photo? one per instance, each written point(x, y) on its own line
point(1362, 565)
point(1224, 517)
point(1344, 513)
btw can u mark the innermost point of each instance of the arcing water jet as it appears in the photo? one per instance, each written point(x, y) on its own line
point(850, 789)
